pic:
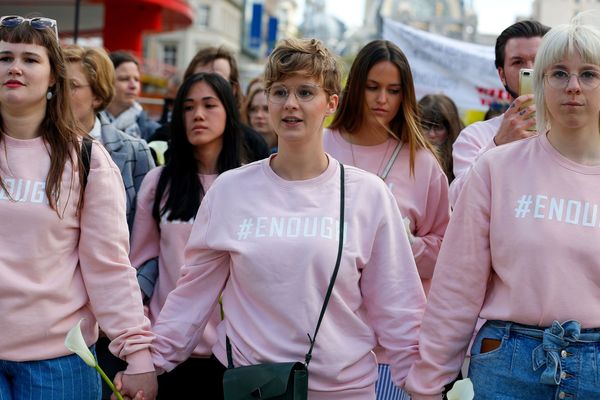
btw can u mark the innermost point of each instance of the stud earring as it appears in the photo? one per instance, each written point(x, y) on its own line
point(49, 95)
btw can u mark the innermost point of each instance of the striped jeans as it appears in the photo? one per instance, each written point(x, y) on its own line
point(64, 378)
point(385, 388)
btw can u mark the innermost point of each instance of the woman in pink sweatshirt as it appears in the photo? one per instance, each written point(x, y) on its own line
point(521, 250)
point(266, 237)
point(377, 129)
point(65, 239)
point(205, 141)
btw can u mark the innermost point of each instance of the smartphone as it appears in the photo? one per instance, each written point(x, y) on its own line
point(526, 87)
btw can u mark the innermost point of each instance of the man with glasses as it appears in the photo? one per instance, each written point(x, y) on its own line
point(515, 49)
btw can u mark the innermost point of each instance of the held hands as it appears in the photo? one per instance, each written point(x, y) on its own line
point(136, 386)
point(517, 121)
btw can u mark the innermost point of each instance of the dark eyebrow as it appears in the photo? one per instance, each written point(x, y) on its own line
point(377, 82)
point(204, 98)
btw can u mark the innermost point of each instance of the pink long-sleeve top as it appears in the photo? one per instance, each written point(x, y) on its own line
point(422, 197)
point(522, 246)
point(271, 246)
point(168, 244)
point(58, 269)
point(471, 143)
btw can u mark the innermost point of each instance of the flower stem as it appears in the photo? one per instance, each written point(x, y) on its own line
point(108, 382)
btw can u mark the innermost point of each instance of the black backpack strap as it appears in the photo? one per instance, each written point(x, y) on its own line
point(86, 155)
point(335, 270)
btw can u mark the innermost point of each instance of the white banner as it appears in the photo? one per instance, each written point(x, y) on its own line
point(463, 71)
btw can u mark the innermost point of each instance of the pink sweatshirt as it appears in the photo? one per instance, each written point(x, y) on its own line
point(423, 197)
point(470, 144)
point(168, 245)
point(271, 246)
point(57, 270)
point(522, 246)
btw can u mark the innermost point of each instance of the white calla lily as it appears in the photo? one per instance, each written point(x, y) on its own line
point(75, 342)
point(462, 390)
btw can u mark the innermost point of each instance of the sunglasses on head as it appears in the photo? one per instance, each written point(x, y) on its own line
point(39, 23)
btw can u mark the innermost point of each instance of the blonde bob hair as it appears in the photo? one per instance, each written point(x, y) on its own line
point(561, 42)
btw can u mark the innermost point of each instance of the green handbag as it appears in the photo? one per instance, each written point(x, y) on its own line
point(285, 381)
point(280, 381)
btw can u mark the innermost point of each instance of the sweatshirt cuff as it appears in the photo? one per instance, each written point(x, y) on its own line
point(139, 362)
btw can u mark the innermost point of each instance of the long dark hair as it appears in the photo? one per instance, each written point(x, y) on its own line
point(178, 184)
point(439, 109)
point(59, 128)
point(350, 114)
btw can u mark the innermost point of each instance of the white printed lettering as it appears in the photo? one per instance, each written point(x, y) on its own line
point(260, 226)
point(537, 212)
point(556, 209)
point(277, 227)
point(586, 218)
point(573, 217)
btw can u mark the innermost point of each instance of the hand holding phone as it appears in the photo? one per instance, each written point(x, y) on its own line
point(526, 87)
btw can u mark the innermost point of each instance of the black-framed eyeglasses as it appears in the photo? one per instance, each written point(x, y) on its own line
point(39, 23)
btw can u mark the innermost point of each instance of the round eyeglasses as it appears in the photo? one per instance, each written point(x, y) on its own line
point(279, 94)
point(559, 79)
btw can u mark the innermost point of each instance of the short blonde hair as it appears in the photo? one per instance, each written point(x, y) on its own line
point(98, 70)
point(561, 42)
point(310, 56)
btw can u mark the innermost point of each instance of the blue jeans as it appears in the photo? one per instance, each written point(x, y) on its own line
point(533, 363)
point(62, 378)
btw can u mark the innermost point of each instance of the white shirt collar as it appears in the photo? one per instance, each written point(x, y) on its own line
point(96, 131)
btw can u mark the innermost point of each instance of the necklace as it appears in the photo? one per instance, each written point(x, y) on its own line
point(379, 171)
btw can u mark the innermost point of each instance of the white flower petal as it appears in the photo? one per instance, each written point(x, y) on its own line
point(462, 390)
point(75, 342)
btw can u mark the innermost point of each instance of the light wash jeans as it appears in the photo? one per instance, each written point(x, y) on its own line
point(62, 378)
point(533, 363)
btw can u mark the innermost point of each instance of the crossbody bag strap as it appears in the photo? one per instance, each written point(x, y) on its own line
point(86, 155)
point(335, 270)
point(329, 289)
point(391, 161)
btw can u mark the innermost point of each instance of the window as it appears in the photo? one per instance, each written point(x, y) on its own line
point(170, 54)
point(202, 15)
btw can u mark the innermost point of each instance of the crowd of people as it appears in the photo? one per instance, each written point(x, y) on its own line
point(459, 248)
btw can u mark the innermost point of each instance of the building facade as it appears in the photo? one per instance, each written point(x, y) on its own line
point(556, 12)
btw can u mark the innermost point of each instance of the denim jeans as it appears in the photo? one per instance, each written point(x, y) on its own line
point(64, 378)
point(385, 388)
point(533, 363)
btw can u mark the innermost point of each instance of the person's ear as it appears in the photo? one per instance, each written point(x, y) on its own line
point(332, 104)
point(96, 102)
point(502, 75)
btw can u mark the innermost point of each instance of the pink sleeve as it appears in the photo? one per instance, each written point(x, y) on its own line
point(186, 312)
point(392, 292)
point(466, 150)
point(108, 276)
point(457, 293)
point(430, 230)
point(145, 236)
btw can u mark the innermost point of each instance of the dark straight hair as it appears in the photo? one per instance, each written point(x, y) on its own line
point(522, 29)
point(178, 184)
